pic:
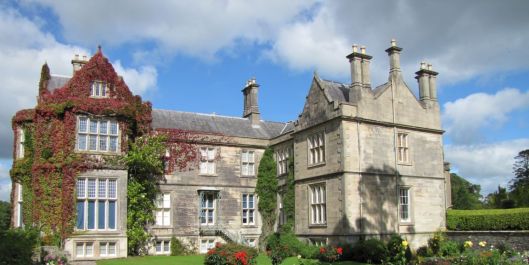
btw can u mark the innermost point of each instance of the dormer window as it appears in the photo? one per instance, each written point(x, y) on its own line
point(99, 89)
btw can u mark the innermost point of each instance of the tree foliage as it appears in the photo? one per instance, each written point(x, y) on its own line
point(520, 184)
point(465, 195)
point(5, 215)
point(266, 189)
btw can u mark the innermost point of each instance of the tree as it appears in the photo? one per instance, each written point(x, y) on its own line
point(500, 199)
point(266, 189)
point(5, 215)
point(465, 195)
point(520, 184)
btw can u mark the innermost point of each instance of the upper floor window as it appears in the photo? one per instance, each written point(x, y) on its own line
point(318, 207)
point(96, 204)
point(207, 160)
point(404, 204)
point(282, 161)
point(316, 143)
point(21, 139)
point(19, 212)
point(163, 209)
point(403, 155)
point(98, 135)
point(247, 163)
point(248, 209)
point(99, 89)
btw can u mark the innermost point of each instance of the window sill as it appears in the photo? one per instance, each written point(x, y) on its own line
point(405, 164)
point(407, 223)
point(207, 175)
point(249, 226)
point(88, 152)
point(317, 225)
point(320, 164)
point(248, 177)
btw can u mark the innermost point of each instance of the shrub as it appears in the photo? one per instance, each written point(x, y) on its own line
point(494, 219)
point(371, 251)
point(398, 250)
point(330, 254)
point(16, 246)
point(177, 248)
point(450, 249)
point(435, 242)
point(231, 254)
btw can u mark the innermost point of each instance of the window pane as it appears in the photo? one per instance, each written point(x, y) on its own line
point(113, 147)
point(211, 153)
point(102, 249)
point(93, 142)
point(103, 127)
point(81, 188)
point(93, 126)
point(251, 171)
point(158, 246)
point(250, 203)
point(80, 214)
point(250, 157)
point(101, 216)
point(102, 143)
point(101, 192)
point(244, 169)
point(79, 249)
point(113, 127)
point(81, 142)
point(203, 167)
point(166, 200)
point(103, 89)
point(82, 124)
point(166, 217)
point(91, 214)
point(211, 168)
point(166, 246)
point(91, 188)
point(112, 188)
point(159, 217)
point(244, 156)
point(111, 215)
point(250, 216)
point(244, 201)
point(112, 249)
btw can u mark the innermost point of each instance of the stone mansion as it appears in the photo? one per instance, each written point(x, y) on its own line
point(368, 161)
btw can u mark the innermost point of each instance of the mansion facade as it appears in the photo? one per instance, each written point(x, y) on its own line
point(368, 163)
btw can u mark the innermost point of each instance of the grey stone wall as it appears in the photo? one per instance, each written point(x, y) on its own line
point(518, 240)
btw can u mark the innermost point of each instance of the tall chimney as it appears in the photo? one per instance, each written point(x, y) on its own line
point(426, 78)
point(78, 62)
point(251, 107)
point(360, 76)
point(394, 60)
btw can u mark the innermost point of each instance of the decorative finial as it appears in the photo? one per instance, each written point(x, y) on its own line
point(393, 43)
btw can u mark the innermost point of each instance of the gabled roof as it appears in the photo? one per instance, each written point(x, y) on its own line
point(216, 124)
point(334, 91)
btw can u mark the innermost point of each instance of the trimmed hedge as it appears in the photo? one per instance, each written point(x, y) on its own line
point(485, 220)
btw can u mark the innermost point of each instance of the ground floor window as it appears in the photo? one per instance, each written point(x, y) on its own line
point(206, 244)
point(207, 208)
point(107, 249)
point(84, 249)
point(163, 247)
point(404, 204)
point(318, 241)
point(251, 242)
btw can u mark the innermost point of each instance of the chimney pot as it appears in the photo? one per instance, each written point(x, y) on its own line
point(363, 49)
point(430, 66)
point(393, 43)
point(423, 65)
point(355, 48)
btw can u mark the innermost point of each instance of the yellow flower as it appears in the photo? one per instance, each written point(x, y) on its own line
point(482, 243)
point(468, 244)
point(405, 243)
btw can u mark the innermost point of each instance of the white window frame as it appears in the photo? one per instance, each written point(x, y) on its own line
point(85, 246)
point(207, 210)
point(207, 160)
point(317, 241)
point(21, 140)
point(101, 137)
point(251, 242)
point(405, 204)
point(247, 163)
point(85, 196)
point(163, 209)
point(403, 150)
point(318, 204)
point(99, 89)
point(282, 216)
point(316, 148)
point(248, 210)
point(19, 220)
point(107, 246)
point(165, 247)
point(206, 244)
point(282, 156)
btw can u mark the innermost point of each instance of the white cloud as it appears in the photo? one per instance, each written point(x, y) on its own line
point(23, 50)
point(465, 117)
point(5, 181)
point(488, 165)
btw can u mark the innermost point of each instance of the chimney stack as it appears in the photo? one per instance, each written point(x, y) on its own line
point(360, 76)
point(251, 107)
point(394, 60)
point(427, 83)
point(78, 62)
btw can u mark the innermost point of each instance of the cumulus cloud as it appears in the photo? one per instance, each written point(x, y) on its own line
point(465, 117)
point(23, 50)
point(489, 165)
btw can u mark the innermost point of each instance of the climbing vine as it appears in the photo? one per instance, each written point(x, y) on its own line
point(289, 199)
point(266, 189)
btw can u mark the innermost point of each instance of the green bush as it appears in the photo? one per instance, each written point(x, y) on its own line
point(177, 248)
point(231, 254)
point(399, 251)
point(280, 246)
point(494, 219)
point(450, 248)
point(370, 251)
point(16, 246)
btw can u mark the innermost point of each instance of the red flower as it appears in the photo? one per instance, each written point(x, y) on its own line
point(211, 251)
point(218, 245)
point(242, 257)
point(322, 250)
point(339, 251)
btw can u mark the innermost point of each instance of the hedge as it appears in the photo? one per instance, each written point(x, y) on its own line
point(488, 220)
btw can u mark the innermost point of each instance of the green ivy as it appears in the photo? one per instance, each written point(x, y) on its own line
point(146, 168)
point(266, 189)
point(289, 199)
point(21, 173)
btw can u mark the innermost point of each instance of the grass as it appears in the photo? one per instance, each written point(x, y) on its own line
point(195, 260)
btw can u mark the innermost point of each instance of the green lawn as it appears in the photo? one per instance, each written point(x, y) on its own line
point(193, 260)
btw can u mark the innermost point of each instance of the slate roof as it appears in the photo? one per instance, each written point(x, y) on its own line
point(335, 91)
point(216, 124)
point(57, 81)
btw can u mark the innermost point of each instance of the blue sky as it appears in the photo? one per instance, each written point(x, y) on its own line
point(197, 55)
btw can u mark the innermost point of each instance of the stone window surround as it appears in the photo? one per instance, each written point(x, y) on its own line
point(85, 198)
point(99, 89)
point(249, 163)
point(164, 246)
point(20, 145)
point(282, 156)
point(402, 148)
point(320, 204)
point(318, 149)
point(163, 209)
point(88, 133)
point(248, 211)
point(207, 164)
point(410, 220)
